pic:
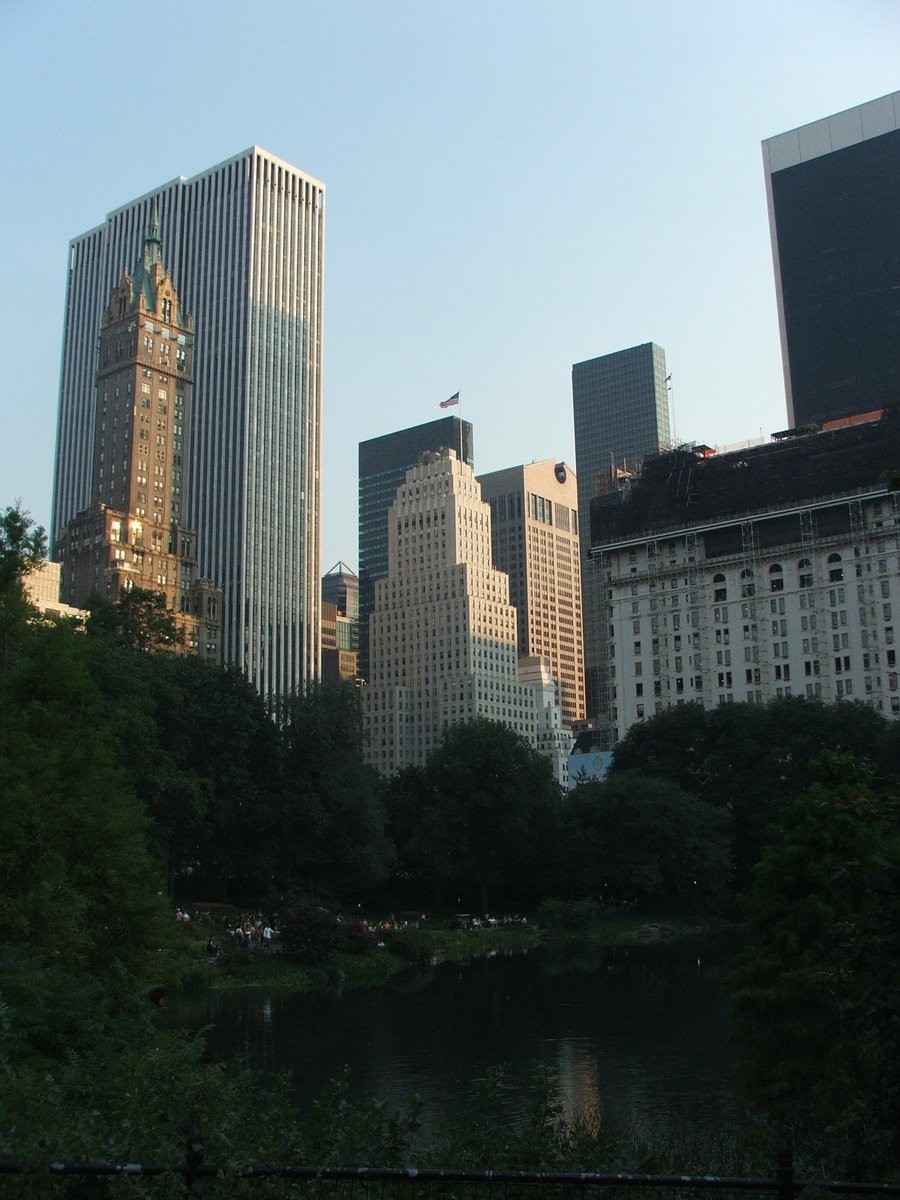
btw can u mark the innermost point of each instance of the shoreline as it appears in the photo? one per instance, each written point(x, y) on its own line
point(348, 971)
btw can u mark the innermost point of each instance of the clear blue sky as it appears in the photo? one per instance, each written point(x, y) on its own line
point(512, 187)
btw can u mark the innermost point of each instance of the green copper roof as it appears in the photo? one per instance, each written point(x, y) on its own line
point(151, 254)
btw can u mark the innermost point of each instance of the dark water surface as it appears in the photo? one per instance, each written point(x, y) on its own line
point(637, 1033)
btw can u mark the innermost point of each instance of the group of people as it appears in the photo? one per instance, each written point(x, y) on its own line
point(248, 932)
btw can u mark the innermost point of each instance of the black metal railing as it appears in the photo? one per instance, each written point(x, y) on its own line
point(382, 1183)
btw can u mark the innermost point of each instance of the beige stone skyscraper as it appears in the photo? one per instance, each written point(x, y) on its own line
point(444, 645)
point(534, 524)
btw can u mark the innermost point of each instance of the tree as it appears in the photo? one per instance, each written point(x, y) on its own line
point(815, 989)
point(139, 618)
point(487, 826)
point(331, 824)
point(647, 841)
point(76, 881)
point(23, 546)
point(749, 758)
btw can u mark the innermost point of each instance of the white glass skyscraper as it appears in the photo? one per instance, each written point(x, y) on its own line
point(245, 240)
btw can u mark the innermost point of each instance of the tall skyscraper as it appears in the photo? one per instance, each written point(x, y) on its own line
point(132, 533)
point(534, 538)
point(245, 242)
point(833, 189)
point(383, 463)
point(621, 408)
point(444, 647)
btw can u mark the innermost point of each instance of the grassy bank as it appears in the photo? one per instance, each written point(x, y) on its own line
point(275, 972)
point(364, 970)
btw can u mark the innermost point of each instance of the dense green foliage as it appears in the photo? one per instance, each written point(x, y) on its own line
point(752, 758)
point(567, 916)
point(816, 987)
point(480, 824)
point(648, 843)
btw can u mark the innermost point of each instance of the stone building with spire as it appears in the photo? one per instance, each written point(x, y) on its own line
point(131, 535)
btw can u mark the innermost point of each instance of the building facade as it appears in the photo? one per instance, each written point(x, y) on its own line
point(444, 640)
point(340, 624)
point(772, 571)
point(534, 539)
point(621, 410)
point(833, 190)
point(383, 463)
point(132, 533)
point(42, 588)
point(245, 242)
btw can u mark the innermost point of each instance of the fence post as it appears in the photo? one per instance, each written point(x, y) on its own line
point(784, 1174)
point(193, 1159)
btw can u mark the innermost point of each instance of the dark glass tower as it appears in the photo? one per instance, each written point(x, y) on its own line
point(834, 212)
point(383, 463)
point(621, 407)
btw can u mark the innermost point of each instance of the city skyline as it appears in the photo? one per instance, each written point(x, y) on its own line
point(656, 205)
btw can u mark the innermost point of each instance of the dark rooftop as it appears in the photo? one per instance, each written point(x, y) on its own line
point(686, 487)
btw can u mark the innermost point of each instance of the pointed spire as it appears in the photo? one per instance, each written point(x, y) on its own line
point(152, 240)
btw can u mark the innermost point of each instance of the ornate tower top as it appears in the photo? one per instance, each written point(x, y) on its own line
point(152, 240)
point(149, 288)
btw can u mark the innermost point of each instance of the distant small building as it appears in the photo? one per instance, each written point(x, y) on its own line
point(42, 590)
point(340, 624)
point(587, 760)
point(552, 737)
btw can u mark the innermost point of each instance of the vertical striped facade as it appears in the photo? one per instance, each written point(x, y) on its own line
point(244, 242)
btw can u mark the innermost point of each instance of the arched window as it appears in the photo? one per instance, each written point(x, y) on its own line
point(720, 592)
point(835, 570)
point(748, 587)
point(804, 573)
point(776, 580)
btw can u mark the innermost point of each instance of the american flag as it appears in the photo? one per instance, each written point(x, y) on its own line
point(454, 399)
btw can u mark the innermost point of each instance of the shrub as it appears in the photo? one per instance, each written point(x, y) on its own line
point(569, 915)
point(310, 933)
point(412, 945)
point(358, 938)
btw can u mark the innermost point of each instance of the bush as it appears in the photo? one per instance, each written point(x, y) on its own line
point(310, 933)
point(412, 945)
point(568, 915)
point(358, 938)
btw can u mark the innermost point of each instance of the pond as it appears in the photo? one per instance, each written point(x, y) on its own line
point(637, 1033)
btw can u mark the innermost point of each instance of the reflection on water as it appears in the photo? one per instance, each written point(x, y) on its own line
point(638, 1033)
